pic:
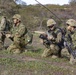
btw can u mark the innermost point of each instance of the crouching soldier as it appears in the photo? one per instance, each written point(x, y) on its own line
point(53, 41)
point(18, 35)
point(4, 28)
point(70, 38)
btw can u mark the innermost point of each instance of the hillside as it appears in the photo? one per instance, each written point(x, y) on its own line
point(35, 16)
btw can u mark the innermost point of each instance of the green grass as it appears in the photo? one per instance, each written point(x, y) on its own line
point(32, 66)
point(5, 52)
point(40, 66)
point(33, 53)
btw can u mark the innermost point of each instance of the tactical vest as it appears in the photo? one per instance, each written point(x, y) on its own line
point(55, 33)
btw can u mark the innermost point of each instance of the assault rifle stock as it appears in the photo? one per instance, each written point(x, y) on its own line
point(44, 37)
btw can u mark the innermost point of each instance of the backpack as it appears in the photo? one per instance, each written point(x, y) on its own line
point(28, 38)
point(63, 31)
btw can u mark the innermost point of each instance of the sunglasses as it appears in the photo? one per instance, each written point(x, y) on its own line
point(67, 24)
point(71, 26)
point(50, 26)
point(74, 26)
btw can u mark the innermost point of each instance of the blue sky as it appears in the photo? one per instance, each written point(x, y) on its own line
point(60, 2)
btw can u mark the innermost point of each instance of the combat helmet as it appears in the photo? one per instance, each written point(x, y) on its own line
point(71, 22)
point(17, 16)
point(51, 22)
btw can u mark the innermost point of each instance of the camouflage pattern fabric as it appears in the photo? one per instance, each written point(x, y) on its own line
point(71, 22)
point(74, 39)
point(18, 34)
point(51, 22)
point(68, 37)
point(72, 60)
point(54, 48)
point(71, 38)
point(3, 24)
point(3, 27)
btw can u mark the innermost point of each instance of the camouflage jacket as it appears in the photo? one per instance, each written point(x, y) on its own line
point(56, 34)
point(19, 30)
point(21, 34)
point(74, 39)
point(4, 25)
point(70, 37)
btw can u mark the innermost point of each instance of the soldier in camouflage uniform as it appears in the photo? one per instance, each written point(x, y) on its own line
point(18, 33)
point(70, 36)
point(55, 36)
point(4, 27)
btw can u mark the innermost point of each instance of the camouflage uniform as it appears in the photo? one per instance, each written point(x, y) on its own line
point(4, 26)
point(70, 37)
point(18, 34)
point(55, 47)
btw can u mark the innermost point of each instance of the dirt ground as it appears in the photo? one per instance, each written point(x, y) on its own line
point(31, 63)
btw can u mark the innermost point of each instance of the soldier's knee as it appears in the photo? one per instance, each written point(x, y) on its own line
point(43, 56)
point(72, 60)
point(17, 51)
point(46, 53)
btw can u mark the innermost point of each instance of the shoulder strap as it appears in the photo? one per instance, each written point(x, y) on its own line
point(62, 30)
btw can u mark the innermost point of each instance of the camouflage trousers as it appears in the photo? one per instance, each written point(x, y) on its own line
point(17, 46)
point(2, 39)
point(52, 50)
point(72, 60)
point(67, 54)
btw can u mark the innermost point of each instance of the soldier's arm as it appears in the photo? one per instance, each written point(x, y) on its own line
point(59, 37)
point(50, 36)
point(3, 24)
point(21, 31)
point(74, 40)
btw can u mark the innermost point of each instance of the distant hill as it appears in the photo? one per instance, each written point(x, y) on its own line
point(35, 16)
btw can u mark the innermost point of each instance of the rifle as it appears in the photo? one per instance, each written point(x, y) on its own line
point(50, 11)
point(44, 37)
point(73, 52)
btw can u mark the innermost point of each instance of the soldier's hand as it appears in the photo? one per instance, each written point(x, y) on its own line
point(41, 41)
point(51, 38)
